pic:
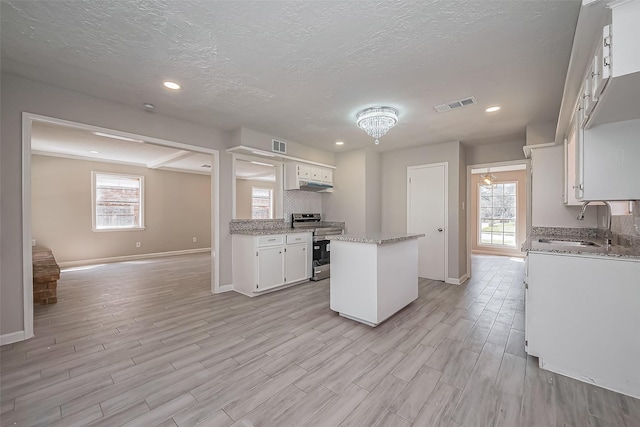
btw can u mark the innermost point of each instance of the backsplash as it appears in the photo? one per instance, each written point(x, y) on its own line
point(301, 202)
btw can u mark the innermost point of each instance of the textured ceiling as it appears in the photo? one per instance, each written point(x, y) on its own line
point(301, 70)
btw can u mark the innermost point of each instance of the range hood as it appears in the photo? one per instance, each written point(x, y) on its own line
point(315, 186)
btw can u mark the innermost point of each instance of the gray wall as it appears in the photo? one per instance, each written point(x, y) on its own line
point(492, 153)
point(373, 191)
point(177, 207)
point(263, 141)
point(541, 133)
point(347, 201)
point(394, 195)
point(356, 197)
point(22, 95)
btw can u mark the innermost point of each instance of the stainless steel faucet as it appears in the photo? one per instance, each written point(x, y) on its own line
point(607, 233)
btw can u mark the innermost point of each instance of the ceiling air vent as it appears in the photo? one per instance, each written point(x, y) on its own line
point(443, 108)
point(279, 146)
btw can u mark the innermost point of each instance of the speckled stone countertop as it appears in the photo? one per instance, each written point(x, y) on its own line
point(375, 238)
point(270, 231)
point(533, 244)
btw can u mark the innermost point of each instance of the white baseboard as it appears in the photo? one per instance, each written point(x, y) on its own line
point(459, 281)
point(130, 257)
point(498, 253)
point(225, 288)
point(12, 337)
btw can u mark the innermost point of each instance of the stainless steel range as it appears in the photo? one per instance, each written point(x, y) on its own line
point(321, 264)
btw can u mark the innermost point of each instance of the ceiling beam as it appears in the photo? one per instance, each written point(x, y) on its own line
point(162, 161)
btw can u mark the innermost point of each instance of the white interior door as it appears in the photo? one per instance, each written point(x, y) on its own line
point(427, 214)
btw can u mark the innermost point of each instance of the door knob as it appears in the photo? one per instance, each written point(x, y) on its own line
point(440, 229)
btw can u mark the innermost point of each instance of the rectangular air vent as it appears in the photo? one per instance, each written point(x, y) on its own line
point(453, 105)
point(279, 146)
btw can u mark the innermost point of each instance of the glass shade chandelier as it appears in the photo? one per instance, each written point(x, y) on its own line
point(376, 121)
point(488, 178)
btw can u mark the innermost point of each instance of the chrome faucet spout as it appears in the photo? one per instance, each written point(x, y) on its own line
point(607, 232)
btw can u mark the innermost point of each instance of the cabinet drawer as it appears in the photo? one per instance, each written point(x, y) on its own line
point(270, 240)
point(297, 238)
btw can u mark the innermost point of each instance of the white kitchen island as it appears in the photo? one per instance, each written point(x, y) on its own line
point(373, 276)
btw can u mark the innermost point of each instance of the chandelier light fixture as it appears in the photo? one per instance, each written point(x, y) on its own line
point(376, 121)
point(488, 178)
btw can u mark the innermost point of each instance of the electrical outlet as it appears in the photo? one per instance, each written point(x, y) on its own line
point(195, 240)
point(138, 244)
point(33, 242)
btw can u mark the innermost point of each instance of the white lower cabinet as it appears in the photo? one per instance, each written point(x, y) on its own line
point(270, 268)
point(583, 318)
point(264, 263)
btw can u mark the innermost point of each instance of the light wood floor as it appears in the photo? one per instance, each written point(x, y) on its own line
point(145, 343)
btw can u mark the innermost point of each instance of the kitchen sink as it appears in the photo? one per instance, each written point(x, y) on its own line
point(568, 242)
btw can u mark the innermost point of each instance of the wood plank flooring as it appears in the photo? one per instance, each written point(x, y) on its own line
point(144, 343)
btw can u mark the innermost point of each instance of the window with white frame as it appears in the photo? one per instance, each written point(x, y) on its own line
point(498, 214)
point(118, 202)
point(261, 203)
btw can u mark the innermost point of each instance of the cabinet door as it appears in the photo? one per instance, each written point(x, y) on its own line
point(570, 165)
point(578, 185)
point(270, 267)
point(296, 262)
point(327, 176)
point(304, 171)
point(316, 174)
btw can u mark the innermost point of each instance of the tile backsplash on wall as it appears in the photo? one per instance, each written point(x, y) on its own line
point(296, 201)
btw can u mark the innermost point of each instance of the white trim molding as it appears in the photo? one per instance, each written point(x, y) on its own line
point(108, 260)
point(459, 281)
point(12, 337)
point(225, 288)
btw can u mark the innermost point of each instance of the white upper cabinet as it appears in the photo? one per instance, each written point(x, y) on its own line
point(297, 174)
point(327, 175)
point(612, 79)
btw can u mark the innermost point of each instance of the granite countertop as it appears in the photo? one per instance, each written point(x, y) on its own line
point(268, 232)
point(375, 238)
point(533, 244)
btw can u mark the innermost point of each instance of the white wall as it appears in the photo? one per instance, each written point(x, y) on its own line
point(394, 195)
point(21, 95)
point(548, 208)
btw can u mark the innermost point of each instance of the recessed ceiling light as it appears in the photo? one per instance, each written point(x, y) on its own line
point(171, 85)
point(339, 143)
point(492, 109)
point(94, 152)
point(123, 138)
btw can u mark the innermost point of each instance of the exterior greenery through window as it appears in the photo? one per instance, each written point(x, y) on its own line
point(498, 214)
point(261, 203)
point(118, 201)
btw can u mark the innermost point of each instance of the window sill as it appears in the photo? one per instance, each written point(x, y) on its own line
point(103, 230)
